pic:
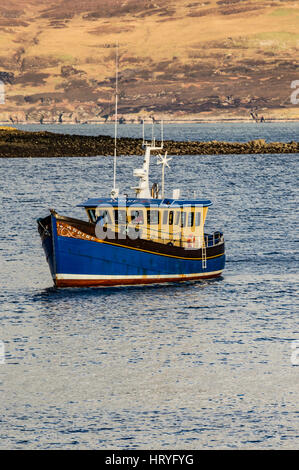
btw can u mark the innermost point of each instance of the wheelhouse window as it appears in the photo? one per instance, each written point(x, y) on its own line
point(190, 220)
point(168, 217)
point(92, 215)
point(197, 218)
point(136, 216)
point(187, 219)
point(120, 216)
point(153, 217)
point(103, 216)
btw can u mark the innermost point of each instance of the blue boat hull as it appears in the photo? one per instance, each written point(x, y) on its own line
point(85, 262)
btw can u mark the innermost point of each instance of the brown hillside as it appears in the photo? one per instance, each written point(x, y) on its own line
point(180, 59)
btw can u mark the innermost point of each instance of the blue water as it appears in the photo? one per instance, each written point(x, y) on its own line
point(227, 132)
point(186, 366)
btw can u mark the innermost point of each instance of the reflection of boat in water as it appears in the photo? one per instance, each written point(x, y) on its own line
point(143, 239)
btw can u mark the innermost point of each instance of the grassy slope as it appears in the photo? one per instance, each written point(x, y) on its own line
point(179, 58)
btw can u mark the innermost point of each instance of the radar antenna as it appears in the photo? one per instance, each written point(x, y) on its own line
point(163, 160)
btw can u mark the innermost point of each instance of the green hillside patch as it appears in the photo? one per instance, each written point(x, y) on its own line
point(276, 40)
point(281, 36)
point(67, 58)
point(284, 12)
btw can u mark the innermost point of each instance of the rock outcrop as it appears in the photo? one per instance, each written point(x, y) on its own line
point(15, 143)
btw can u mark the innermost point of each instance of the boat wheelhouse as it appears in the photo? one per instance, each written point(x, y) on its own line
point(164, 221)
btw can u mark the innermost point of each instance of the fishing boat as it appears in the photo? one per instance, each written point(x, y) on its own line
point(145, 238)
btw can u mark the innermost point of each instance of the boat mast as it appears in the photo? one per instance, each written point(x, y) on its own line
point(143, 189)
point(163, 160)
point(114, 192)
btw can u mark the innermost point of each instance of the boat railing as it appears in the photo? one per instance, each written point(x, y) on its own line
point(185, 240)
point(213, 239)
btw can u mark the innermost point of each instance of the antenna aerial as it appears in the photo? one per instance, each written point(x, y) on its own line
point(142, 190)
point(114, 192)
point(163, 160)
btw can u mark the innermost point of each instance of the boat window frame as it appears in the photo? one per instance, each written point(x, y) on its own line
point(177, 218)
point(140, 214)
point(165, 217)
point(91, 214)
point(197, 218)
point(116, 218)
point(168, 217)
point(190, 219)
point(183, 219)
point(149, 218)
point(104, 213)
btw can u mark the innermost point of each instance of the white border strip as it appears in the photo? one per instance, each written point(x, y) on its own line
point(136, 276)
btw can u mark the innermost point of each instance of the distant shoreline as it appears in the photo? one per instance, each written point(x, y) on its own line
point(16, 143)
point(166, 121)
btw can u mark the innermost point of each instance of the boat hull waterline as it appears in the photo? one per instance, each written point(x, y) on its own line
point(78, 259)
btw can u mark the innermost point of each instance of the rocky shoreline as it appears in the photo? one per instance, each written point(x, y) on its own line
point(24, 144)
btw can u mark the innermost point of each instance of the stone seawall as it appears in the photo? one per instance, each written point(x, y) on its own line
point(15, 143)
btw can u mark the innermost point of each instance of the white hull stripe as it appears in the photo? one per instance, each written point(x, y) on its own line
point(136, 276)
